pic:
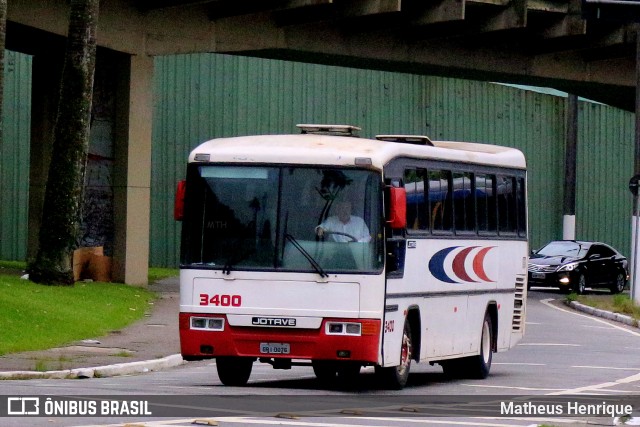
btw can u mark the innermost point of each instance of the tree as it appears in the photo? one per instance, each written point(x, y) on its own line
point(64, 193)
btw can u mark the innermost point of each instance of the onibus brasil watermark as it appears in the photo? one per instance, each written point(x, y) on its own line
point(37, 406)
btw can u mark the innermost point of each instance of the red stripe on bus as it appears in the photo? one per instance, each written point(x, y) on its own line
point(304, 343)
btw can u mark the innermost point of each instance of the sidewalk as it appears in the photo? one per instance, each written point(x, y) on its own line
point(150, 344)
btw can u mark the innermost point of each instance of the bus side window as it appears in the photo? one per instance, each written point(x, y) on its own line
point(440, 200)
point(486, 204)
point(507, 215)
point(522, 207)
point(417, 207)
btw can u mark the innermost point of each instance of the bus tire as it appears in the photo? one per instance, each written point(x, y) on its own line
point(480, 365)
point(348, 374)
point(396, 377)
point(324, 370)
point(453, 368)
point(234, 371)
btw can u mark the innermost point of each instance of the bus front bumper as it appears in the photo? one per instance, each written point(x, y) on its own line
point(212, 336)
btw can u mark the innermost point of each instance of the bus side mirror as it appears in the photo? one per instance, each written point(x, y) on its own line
point(178, 204)
point(397, 208)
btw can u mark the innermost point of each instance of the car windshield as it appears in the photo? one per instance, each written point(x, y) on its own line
point(266, 218)
point(565, 249)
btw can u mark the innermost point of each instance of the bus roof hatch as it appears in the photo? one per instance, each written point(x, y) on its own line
point(407, 139)
point(341, 130)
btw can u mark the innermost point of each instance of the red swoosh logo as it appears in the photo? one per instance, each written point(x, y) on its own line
point(478, 264)
point(458, 264)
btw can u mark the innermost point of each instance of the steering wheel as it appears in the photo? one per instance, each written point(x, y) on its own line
point(353, 238)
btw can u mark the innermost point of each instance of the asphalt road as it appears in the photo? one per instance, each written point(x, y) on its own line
point(565, 355)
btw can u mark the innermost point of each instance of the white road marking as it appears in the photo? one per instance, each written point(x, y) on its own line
point(519, 364)
point(542, 344)
point(607, 367)
point(514, 387)
point(594, 387)
point(384, 419)
point(587, 316)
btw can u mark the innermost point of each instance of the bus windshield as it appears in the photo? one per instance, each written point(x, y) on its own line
point(284, 218)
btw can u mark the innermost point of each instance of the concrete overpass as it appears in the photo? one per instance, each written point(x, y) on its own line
point(535, 42)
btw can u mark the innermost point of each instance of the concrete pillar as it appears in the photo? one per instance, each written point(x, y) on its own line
point(132, 174)
point(569, 227)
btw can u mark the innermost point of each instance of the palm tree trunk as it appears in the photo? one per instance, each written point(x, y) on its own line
point(64, 190)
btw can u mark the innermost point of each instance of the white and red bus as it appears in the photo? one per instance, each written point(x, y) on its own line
point(439, 278)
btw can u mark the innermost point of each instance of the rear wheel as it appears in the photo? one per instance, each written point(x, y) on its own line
point(234, 371)
point(477, 367)
point(480, 365)
point(453, 368)
point(619, 284)
point(395, 377)
point(325, 370)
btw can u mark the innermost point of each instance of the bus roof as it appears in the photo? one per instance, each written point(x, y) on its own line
point(323, 149)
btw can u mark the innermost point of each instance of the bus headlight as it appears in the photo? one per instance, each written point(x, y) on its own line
point(344, 328)
point(207, 323)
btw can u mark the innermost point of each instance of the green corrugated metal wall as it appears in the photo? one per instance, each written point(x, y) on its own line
point(14, 156)
point(605, 158)
point(496, 114)
point(198, 97)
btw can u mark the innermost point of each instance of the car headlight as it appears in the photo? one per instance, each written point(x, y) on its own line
point(568, 267)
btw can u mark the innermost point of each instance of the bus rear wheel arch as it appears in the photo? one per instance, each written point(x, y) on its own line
point(478, 366)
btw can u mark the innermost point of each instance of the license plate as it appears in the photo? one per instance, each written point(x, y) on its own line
point(537, 275)
point(275, 348)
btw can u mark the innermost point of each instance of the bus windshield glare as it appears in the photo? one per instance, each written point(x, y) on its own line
point(263, 218)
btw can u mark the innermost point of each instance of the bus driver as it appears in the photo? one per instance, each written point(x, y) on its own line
point(344, 227)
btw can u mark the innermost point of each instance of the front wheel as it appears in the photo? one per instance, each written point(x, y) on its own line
point(234, 371)
point(396, 377)
point(581, 285)
point(619, 284)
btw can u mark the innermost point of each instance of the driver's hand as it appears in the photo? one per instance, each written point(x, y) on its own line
point(319, 231)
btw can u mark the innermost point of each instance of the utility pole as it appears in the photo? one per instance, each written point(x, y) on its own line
point(571, 146)
point(633, 184)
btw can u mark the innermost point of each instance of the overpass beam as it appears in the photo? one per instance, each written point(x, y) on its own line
point(437, 12)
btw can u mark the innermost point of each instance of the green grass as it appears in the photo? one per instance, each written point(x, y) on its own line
point(36, 317)
point(620, 303)
point(157, 273)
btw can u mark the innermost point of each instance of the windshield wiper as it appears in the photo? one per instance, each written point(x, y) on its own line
point(306, 254)
point(234, 259)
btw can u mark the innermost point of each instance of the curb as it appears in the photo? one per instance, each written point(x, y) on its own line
point(617, 317)
point(99, 371)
